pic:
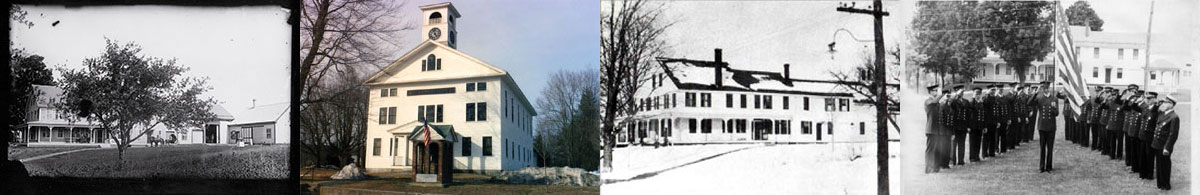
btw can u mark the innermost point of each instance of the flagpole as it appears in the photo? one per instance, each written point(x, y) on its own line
point(1146, 66)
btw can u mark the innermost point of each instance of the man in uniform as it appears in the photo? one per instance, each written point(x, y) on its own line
point(959, 111)
point(1166, 133)
point(933, 118)
point(1093, 119)
point(978, 123)
point(947, 130)
point(992, 124)
point(1146, 135)
point(1047, 108)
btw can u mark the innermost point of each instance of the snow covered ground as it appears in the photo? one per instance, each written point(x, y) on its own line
point(748, 169)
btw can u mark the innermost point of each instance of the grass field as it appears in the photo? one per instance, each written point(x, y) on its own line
point(17, 153)
point(193, 161)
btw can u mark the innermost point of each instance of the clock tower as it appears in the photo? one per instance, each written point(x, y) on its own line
point(439, 24)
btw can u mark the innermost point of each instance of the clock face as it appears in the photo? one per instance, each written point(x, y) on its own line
point(435, 33)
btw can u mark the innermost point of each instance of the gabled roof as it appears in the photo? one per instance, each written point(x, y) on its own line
point(379, 77)
point(440, 132)
point(1083, 34)
point(700, 75)
point(453, 11)
point(263, 113)
point(221, 113)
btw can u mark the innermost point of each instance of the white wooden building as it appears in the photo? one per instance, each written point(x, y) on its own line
point(436, 82)
point(701, 102)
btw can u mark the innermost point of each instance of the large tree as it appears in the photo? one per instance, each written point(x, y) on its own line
point(948, 37)
point(336, 129)
point(129, 94)
point(1081, 14)
point(1019, 31)
point(27, 70)
point(557, 107)
point(340, 40)
point(581, 140)
point(630, 38)
point(346, 35)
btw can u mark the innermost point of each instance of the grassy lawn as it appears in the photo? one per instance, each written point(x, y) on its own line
point(1078, 170)
point(464, 183)
point(17, 153)
point(197, 161)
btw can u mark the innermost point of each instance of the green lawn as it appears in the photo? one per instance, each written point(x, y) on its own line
point(197, 161)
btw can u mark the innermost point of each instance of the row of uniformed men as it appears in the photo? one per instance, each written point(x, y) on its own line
point(1129, 124)
point(993, 121)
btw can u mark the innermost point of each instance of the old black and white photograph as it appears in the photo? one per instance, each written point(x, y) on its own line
point(148, 99)
point(1049, 97)
point(749, 97)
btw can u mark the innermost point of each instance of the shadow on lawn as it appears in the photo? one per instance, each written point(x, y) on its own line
point(654, 173)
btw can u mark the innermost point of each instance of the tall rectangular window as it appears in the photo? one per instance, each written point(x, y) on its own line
point(377, 146)
point(729, 100)
point(1120, 53)
point(689, 99)
point(1096, 53)
point(439, 113)
point(1120, 72)
point(1135, 54)
point(1095, 72)
point(706, 126)
point(757, 101)
point(805, 103)
point(487, 146)
point(862, 128)
point(705, 100)
point(844, 104)
point(391, 115)
point(691, 125)
point(470, 111)
point(421, 114)
point(805, 127)
point(383, 113)
point(767, 101)
point(830, 104)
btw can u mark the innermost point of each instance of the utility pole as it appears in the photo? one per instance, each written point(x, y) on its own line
point(881, 137)
point(1150, 23)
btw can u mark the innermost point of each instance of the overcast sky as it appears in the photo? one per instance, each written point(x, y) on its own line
point(1173, 34)
point(764, 35)
point(244, 51)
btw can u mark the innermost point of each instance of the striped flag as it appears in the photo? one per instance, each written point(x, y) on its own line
point(1067, 68)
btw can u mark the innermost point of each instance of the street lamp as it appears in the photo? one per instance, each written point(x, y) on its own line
point(835, 34)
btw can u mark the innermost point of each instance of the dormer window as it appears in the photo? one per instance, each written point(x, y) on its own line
point(435, 18)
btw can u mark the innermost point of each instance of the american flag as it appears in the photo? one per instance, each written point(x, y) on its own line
point(1067, 68)
point(426, 129)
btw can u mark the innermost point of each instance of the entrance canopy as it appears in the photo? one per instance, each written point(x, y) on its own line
point(437, 133)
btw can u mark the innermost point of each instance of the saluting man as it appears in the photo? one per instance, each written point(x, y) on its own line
point(1146, 135)
point(1166, 132)
point(1131, 114)
point(933, 115)
point(1047, 103)
point(959, 112)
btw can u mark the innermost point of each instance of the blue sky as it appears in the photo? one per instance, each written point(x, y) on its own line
point(529, 38)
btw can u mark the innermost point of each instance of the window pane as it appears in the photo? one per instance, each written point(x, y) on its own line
point(439, 113)
point(487, 146)
point(377, 146)
point(470, 86)
point(383, 116)
point(470, 111)
point(383, 92)
point(391, 115)
point(421, 113)
point(481, 86)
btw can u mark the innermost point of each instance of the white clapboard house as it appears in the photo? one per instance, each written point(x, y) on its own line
point(484, 111)
point(702, 102)
point(45, 127)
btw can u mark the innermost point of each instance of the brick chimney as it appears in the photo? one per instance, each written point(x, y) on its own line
point(787, 72)
point(717, 70)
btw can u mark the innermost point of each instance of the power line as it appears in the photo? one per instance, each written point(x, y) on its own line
point(983, 29)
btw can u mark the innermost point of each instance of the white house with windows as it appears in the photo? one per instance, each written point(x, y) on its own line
point(44, 126)
point(993, 69)
point(701, 102)
point(459, 94)
point(261, 124)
